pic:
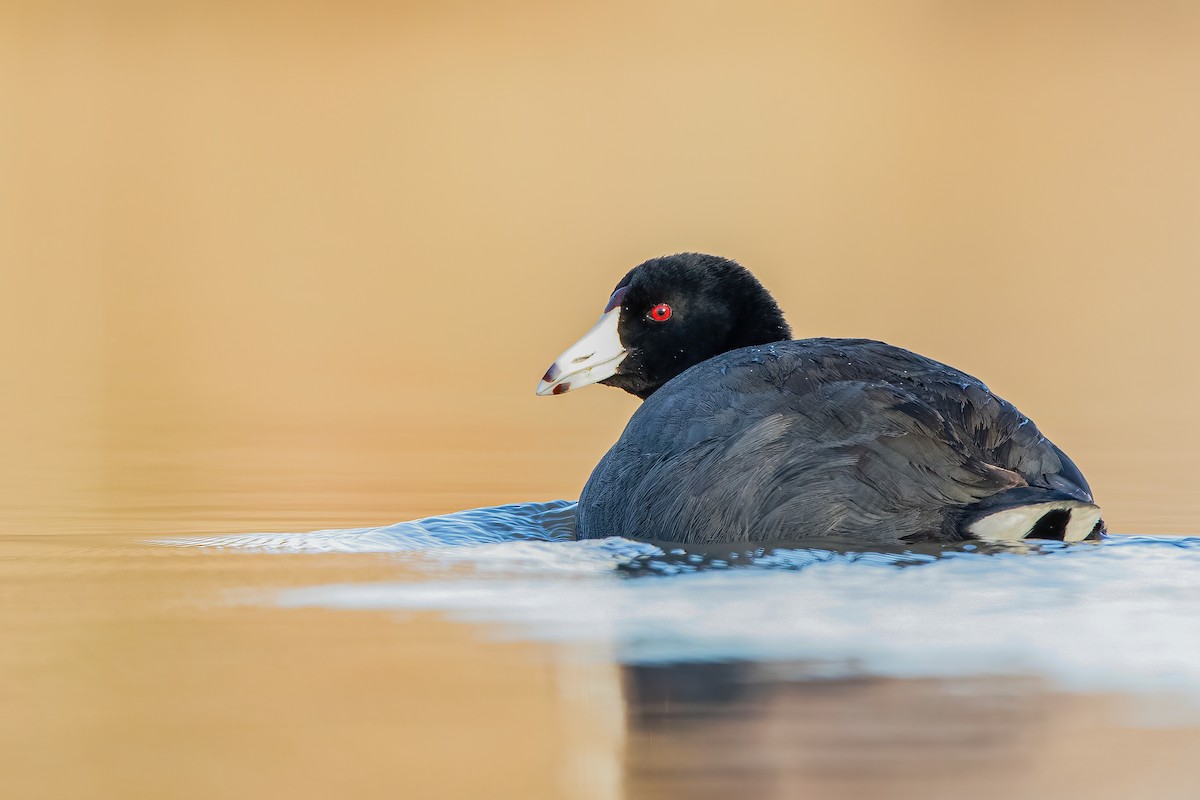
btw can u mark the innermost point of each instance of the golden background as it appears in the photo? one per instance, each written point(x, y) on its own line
point(278, 266)
point(395, 217)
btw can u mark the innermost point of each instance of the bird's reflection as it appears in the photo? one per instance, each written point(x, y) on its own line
point(739, 729)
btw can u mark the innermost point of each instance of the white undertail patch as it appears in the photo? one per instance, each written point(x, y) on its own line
point(1014, 524)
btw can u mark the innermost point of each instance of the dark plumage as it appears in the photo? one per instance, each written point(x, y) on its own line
point(748, 437)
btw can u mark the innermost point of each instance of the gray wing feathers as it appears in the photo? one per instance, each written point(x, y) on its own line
point(844, 458)
point(824, 438)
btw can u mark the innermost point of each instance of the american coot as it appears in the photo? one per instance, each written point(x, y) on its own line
point(748, 436)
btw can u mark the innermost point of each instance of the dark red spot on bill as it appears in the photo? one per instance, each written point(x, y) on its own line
point(562, 388)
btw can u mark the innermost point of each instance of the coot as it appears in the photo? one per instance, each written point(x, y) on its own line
point(748, 436)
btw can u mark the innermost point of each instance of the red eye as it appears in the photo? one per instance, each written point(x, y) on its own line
point(660, 313)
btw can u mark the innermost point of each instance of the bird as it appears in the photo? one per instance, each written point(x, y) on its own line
point(745, 435)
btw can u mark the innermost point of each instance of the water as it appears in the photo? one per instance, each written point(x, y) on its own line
point(1121, 616)
point(1021, 671)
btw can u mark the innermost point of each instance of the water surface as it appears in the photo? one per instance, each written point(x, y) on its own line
point(1121, 616)
point(975, 651)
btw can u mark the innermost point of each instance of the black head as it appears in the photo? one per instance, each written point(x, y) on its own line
point(664, 316)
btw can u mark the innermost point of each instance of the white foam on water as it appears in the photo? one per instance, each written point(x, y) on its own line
point(1122, 616)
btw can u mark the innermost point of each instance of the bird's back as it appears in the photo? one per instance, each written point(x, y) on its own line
point(838, 438)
